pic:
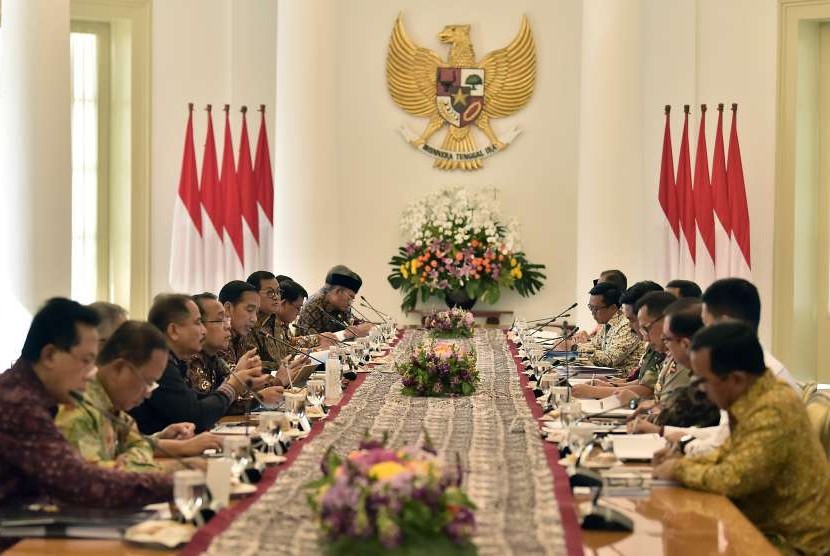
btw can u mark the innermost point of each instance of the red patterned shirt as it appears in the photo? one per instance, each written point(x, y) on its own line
point(36, 461)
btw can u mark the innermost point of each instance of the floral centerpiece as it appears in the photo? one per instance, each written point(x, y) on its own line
point(377, 500)
point(452, 323)
point(458, 246)
point(438, 368)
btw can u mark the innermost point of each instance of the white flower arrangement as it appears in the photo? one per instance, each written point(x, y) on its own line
point(457, 245)
point(457, 214)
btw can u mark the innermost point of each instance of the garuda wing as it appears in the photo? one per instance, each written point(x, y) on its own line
point(411, 71)
point(510, 74)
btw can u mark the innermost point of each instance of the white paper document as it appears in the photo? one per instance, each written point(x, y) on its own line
point(637, 446)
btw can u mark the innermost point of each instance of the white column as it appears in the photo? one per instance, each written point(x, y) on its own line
point(307, 217)
point(610, 194)
point(35, 179)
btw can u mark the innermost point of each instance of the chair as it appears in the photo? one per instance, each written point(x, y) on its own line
point(807, 389)
point(818, 409)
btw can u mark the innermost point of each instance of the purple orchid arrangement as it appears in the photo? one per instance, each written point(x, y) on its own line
point(439, 369)
point(378, 499)
point(451, 323)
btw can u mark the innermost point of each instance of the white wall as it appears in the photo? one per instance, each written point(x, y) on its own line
point(205, 52)
point(379, 173)
point(338, 140)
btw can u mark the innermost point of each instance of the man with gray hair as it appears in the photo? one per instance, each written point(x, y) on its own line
point(329, 310)
point(112, 316)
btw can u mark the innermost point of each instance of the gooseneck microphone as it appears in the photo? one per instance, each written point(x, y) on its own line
point(337, 321)
point(381, 314)
point(306, 332)
point(362, 316)
point(547, 322)
point(292, 347)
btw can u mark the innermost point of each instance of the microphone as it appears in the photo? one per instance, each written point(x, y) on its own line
point(361, 315)
point(547, 322)
point(248, 384)
point(631, 405)
point(338, 322)
point(381, 314)
point(308, 332)
point(292, 347)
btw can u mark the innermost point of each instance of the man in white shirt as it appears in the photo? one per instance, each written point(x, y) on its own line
point(725, 300)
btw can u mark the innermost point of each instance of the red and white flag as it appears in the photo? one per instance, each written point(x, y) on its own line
point(720, 202)
point(212, 213)
point(740, 261)
point(186, 249)
point(248, 199)
point(265, 196)
point(704, 213)
point(686, 199)
point(667, 195)
point(232, 213)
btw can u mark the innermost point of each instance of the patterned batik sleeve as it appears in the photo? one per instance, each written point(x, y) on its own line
point(134, 452)
point(40, 451)
point(746, 464)
point(619, 345)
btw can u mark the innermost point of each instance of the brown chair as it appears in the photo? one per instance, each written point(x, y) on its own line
point(818, 409)
point(807, 389)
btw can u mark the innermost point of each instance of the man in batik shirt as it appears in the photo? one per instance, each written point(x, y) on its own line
point(240, 301)
point(649, 309)
point(36, 461)
point(615, 345)
point(772, 466)
point(329, 310)
point(175, 401)
point(129, 366)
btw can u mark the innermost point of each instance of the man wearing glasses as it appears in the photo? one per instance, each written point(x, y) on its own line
point(36, 461)
point(329, 310)
point(649, 309)
point(615, 344)
point(129, 366)
point(177, 317)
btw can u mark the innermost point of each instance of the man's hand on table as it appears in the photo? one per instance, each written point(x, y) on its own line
point(177, 431)
point(665, 470)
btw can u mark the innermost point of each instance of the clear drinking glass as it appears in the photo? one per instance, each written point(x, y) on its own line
point(316, 392)
point(269, 429)
point(189, 493)
point(295, 407)
point(569, 412)
point(238, 448)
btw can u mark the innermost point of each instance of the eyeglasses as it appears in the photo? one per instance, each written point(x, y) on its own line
point(149, 386)
point(272, 293)
point(645, 329)
point(668, 339)
point(594, 308)
point(225, 320)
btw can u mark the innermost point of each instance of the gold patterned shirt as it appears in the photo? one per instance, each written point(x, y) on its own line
point(313, 320)
point(772, 467)
point(615, 345)
point(98, 440)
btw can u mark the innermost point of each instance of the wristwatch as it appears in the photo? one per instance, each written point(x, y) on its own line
point(684, 440)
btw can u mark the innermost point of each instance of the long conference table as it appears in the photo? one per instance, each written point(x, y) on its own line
point(524, 500)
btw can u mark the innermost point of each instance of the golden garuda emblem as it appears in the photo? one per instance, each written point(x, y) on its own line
point(460, 92)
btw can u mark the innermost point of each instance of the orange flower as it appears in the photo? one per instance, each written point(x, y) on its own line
point(474, 243)
point(434, 263)
point(459, 256)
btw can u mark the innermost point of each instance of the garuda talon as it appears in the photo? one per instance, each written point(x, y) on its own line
point(460, 92)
